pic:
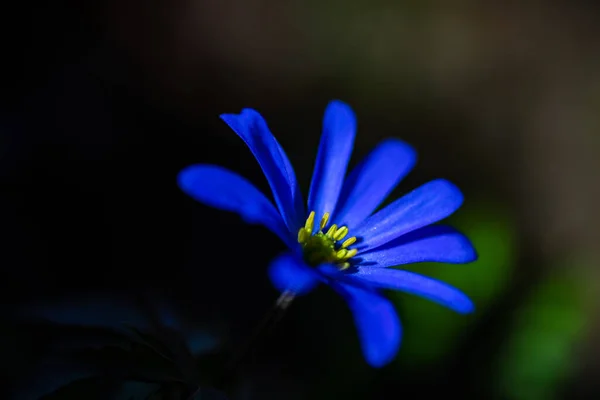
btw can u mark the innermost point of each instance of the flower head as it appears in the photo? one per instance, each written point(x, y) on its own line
point(341, 240)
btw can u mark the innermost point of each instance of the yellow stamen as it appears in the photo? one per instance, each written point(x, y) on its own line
point(343, 231)
point(351, 253)
point(310, 222)
point(324, 220)
point(348, 242)
point(341, 253)
point(302, 235)
point(331, 230)
point(326, 247)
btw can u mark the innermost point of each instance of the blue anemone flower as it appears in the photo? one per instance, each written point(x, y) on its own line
point(350, 246)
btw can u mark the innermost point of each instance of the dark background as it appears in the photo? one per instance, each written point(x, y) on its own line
point(103, 102)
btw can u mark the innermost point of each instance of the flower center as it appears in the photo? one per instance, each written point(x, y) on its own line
point(322, 247)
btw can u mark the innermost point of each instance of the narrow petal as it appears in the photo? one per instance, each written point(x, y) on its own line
point(288, 272)
point(423, 206)
point(337, 141)
point(434, 243)
point(372, 180)
point(223, 189)
point(377, 323)
point(253, 130)
point(409, 282)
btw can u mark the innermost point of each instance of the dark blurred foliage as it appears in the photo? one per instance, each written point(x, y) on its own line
point(103, 102)
point(110, 346)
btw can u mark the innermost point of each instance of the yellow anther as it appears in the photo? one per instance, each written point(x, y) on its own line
point(324, 220)
point(310, 222)
point(341, 253)
point(331, 230)
point(348, 242)
point(302, 235)
point(343, 231)
point(319, 248)
point(351, 253)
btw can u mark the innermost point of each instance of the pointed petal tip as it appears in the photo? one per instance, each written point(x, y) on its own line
point(243, 121)
point(400, 144)
point(252, 128)
point(185, 177)
point(335, 149)
point(227, 117)
point(377, 322)
point(416, 284)
point(471, 254)
point(339, 103)
point(379, 358)
point(462, 304)
point(432, 243)
point(466, 307)
point(451, 188)
point(425, 205)
point(218, 187)
point(403, 150)
point(376, 361)
point(468, 252)
point(390, 161)
point(341, 111)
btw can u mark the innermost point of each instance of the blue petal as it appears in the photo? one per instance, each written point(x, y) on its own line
point(253, 130)
point(410, 282)
point(434, 243)
point(337, 141)
point(423, 206)
point(223, 189)
point(377, 323)
point(288, 272)
point(372, 181)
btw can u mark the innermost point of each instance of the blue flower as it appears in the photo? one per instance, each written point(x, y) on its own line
point(350, 246)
